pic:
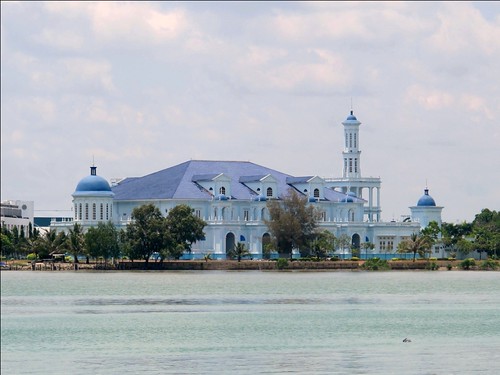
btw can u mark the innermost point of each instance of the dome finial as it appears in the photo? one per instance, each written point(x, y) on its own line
point(93, 168)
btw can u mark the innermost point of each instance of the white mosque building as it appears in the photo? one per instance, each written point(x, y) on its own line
point(231, 196)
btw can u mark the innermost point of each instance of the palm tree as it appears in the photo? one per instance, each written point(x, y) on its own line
point(240, 251)
point(367, 246)
point(76, 241)
point(415, 244)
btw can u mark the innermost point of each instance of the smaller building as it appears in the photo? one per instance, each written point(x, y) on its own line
point(17, 213)
point(425, 212)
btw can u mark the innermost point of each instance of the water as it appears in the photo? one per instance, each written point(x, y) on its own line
point(250, 322)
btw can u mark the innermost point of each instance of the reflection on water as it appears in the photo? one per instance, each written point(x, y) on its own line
point(250, 322)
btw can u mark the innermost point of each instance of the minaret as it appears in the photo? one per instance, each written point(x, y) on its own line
point(351, 153)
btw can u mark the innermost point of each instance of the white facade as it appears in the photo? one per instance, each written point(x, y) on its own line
point(16, 213)
point(231, 197)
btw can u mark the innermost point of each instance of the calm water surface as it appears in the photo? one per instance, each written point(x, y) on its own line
point(250, 322)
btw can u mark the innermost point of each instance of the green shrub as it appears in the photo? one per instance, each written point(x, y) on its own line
point(449, 266)
point(335, 258)
point(281, 263)
point(432, 266)
point(433, 258)
point(354, 258)
point(375, 264)
point(489, 264)
point(395, 259)
point(31, 256)
point(468, 263)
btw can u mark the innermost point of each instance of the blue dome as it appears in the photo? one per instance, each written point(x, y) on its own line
point(260, 198)
point(313, 200)
point(351, 117)
point(220, 197)
point(349, 198)
point(93, 185)
point(426, 200)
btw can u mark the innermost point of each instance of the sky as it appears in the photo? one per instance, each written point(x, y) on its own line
point(137, 87)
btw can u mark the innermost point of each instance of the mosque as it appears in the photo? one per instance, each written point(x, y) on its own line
point(231, 196)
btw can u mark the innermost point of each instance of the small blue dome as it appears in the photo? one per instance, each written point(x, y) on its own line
point(351, 117)
point(93, 185)
point(313, 199)
point(426, 200)
point(347, 200)
point(260, 198)
point(220, 197)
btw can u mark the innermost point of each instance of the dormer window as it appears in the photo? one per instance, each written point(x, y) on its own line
point(222, 190)
point(269, 192)
point(316, 193)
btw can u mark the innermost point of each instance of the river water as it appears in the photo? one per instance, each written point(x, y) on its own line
point(251, 322)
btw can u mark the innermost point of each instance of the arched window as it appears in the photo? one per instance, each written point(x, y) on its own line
point(86, 211)
point(76, 211)
point(107, 211)
point(350, 215)
point(93, 211)
point(263, 214)
point(215, 213)
point(80, 212)
point(316, 193)
point(269, 192)
point(222, 190)
point(102, 212)
point(355, 141)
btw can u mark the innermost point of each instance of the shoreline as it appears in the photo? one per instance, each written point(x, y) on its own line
point(244, 265)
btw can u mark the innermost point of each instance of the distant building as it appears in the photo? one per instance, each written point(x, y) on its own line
point(19, 214)
point(231, 197)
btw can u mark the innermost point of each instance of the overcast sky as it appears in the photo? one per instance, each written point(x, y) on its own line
point(140, 87)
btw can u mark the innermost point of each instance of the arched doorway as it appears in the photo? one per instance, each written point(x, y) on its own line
point(266, 240)
point(356, 244)
point(230, 243)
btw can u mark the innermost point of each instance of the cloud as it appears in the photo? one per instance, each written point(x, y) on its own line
point(429, 98)
point(145, 85)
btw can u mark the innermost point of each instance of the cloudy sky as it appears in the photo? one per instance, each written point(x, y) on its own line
point(139, 87)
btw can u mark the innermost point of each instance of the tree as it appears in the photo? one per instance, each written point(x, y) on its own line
point(148, 233)
point(416, 244)
point(292, 222)
point(49, 243)
point(486, 228)
point(452, 233)
point(464, 246)
point(184, 228)
point(323, 243)
point(103, 241)
point(367, 246)
point(431, 231)
point(343, 243)
point(76, 241)
point(239, 251)
point(7, 249)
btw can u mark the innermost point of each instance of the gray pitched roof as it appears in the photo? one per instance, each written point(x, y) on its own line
point(179, 181)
